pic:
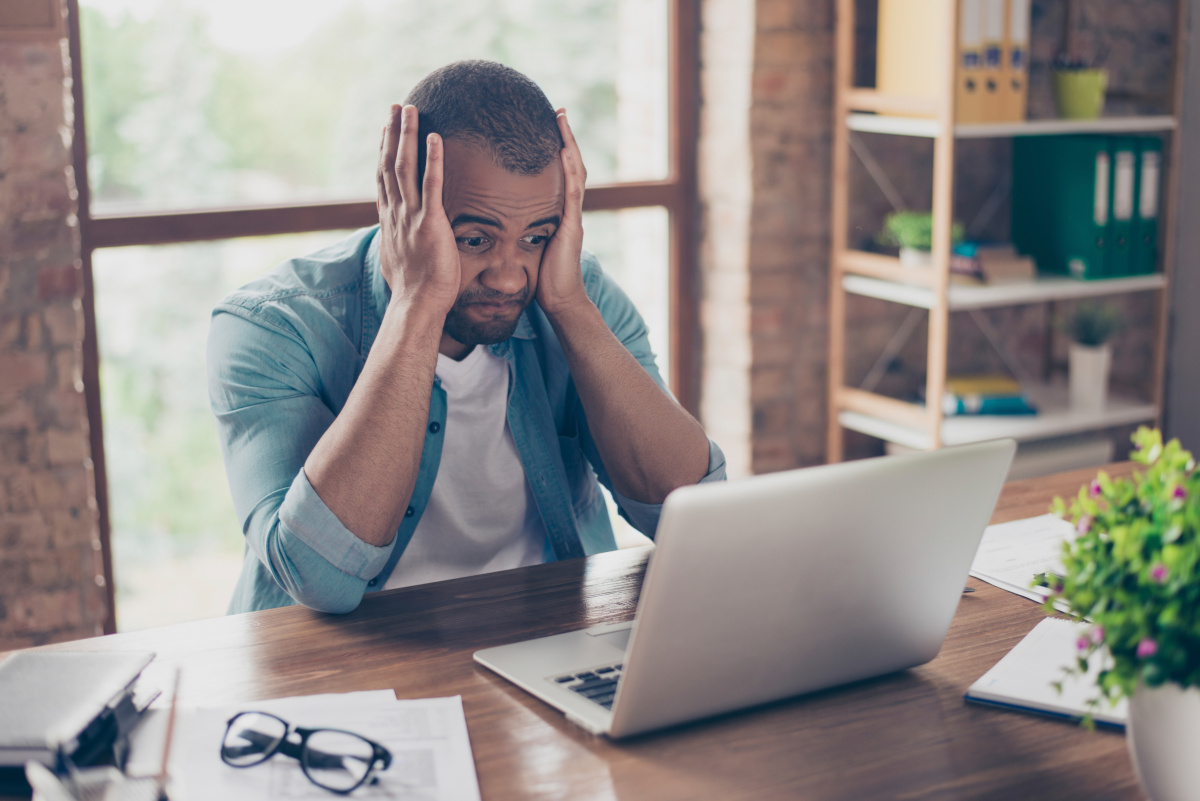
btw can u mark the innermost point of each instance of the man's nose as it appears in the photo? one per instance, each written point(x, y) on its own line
point(506, 271)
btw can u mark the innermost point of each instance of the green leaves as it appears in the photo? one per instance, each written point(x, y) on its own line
point(1134, 568)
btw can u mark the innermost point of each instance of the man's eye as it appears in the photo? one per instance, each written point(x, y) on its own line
point(536, 239)
point(472, 242)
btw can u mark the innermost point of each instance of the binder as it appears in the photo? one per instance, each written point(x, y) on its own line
point(968, 80)
point(1124, 154)
point(1015, 78)
point(1144, 256)
point(993, 60)
point(1060, 203)
point(907, 64)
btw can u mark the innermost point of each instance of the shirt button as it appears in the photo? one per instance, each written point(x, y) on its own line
point(435, 427)
point(409, 512)
point(372, 582)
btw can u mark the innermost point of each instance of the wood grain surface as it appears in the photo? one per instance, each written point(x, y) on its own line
point(905, 736)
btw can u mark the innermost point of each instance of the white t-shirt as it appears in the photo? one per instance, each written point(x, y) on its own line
point(481, 516)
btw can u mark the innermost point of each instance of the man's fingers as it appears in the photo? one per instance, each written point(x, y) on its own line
point(573, 171)
point(406, 158)
point(388, 190)
point(431, 191)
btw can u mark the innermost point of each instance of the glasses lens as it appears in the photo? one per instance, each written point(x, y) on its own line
point(337, 760)
point(250, 738)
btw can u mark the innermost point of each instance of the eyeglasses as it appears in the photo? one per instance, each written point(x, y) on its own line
point(333, 759)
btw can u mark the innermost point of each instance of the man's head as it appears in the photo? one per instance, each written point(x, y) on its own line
point(503, 187)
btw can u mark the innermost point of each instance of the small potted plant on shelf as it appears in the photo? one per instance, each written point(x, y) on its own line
point(1079, 87)
point(1133, 574)
point(912, 232)
point(1090, 355)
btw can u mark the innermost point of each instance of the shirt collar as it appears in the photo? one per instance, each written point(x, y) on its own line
point(381, 294)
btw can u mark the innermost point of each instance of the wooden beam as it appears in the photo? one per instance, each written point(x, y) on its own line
point(887, 268)
point(679, 195)
point(843, 84)
point(872, 100)
point(169, 227)
point(91, 350)
point(896, 411)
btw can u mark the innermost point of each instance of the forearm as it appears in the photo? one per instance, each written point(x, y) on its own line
point(365, 465)
point(649, 444)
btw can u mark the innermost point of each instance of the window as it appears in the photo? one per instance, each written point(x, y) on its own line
point(224, 136)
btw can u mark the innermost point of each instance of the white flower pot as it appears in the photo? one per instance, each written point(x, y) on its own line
point(1162, 735)
point(1088, 372)
point(911, 257)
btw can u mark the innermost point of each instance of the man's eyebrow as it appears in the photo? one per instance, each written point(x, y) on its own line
point(463, 219)
point(545, 221)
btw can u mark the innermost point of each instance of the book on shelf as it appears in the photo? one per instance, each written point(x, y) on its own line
point(998, 263)
point(985, 394)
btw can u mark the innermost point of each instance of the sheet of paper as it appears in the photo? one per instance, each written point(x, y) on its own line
point(1011, 554)
point(431, 752)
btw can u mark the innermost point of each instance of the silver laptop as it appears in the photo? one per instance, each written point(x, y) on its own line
point(774, 586)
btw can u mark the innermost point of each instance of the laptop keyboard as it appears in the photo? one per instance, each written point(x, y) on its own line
point(598, 684)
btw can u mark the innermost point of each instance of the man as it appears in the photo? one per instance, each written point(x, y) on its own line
point(438, 396)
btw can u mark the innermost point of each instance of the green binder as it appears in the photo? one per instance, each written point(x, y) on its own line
point(1122, 193)
point(1144, 256)
point(1060, 202)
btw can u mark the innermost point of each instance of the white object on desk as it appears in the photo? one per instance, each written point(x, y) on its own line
point(427, 737)
point(1024, 678)
point(1011, 554)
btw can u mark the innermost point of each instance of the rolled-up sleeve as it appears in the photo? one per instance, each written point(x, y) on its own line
point(630, 328)
point(264, 389)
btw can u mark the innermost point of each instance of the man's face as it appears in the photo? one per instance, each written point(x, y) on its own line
point(502, 223)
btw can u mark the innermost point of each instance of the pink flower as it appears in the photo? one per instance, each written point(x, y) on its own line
point(1083, 643)
point(1096, 635)
point(1159, 573)
point(1147, 648)
point(1180, 493)
point(1096, 489)
point(1083, 525)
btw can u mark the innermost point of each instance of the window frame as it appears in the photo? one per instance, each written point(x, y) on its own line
point(677, 193)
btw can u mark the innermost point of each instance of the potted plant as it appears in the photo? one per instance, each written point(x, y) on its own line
point(1133, 573)
point(1078, 87)
point(912, 232)
point(1090, 354)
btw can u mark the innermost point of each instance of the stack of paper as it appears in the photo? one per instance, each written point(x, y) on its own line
point(431, 753)
point(1011, 554)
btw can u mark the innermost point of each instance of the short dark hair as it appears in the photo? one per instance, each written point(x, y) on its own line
point(495, 106)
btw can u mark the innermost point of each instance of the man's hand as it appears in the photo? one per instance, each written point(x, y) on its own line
point(560, 281)
point(417, 253)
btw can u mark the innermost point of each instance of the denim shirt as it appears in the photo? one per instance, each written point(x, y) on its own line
point(284, 353)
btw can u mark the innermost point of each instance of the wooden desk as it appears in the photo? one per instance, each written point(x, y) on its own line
point(904, 736)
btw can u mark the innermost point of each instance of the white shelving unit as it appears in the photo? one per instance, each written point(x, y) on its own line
point(855, 272)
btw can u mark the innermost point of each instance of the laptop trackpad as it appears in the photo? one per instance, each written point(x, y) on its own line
point(615, 634)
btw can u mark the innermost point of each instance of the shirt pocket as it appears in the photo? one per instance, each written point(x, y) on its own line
point(581, 479)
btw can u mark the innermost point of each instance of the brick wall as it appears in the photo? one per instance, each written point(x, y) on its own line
point(51, 585)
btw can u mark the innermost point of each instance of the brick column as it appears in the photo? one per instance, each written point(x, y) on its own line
point(767, 81)
point(51, 585)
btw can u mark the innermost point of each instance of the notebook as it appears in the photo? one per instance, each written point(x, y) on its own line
point(1024, 678)
point(52, 698)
